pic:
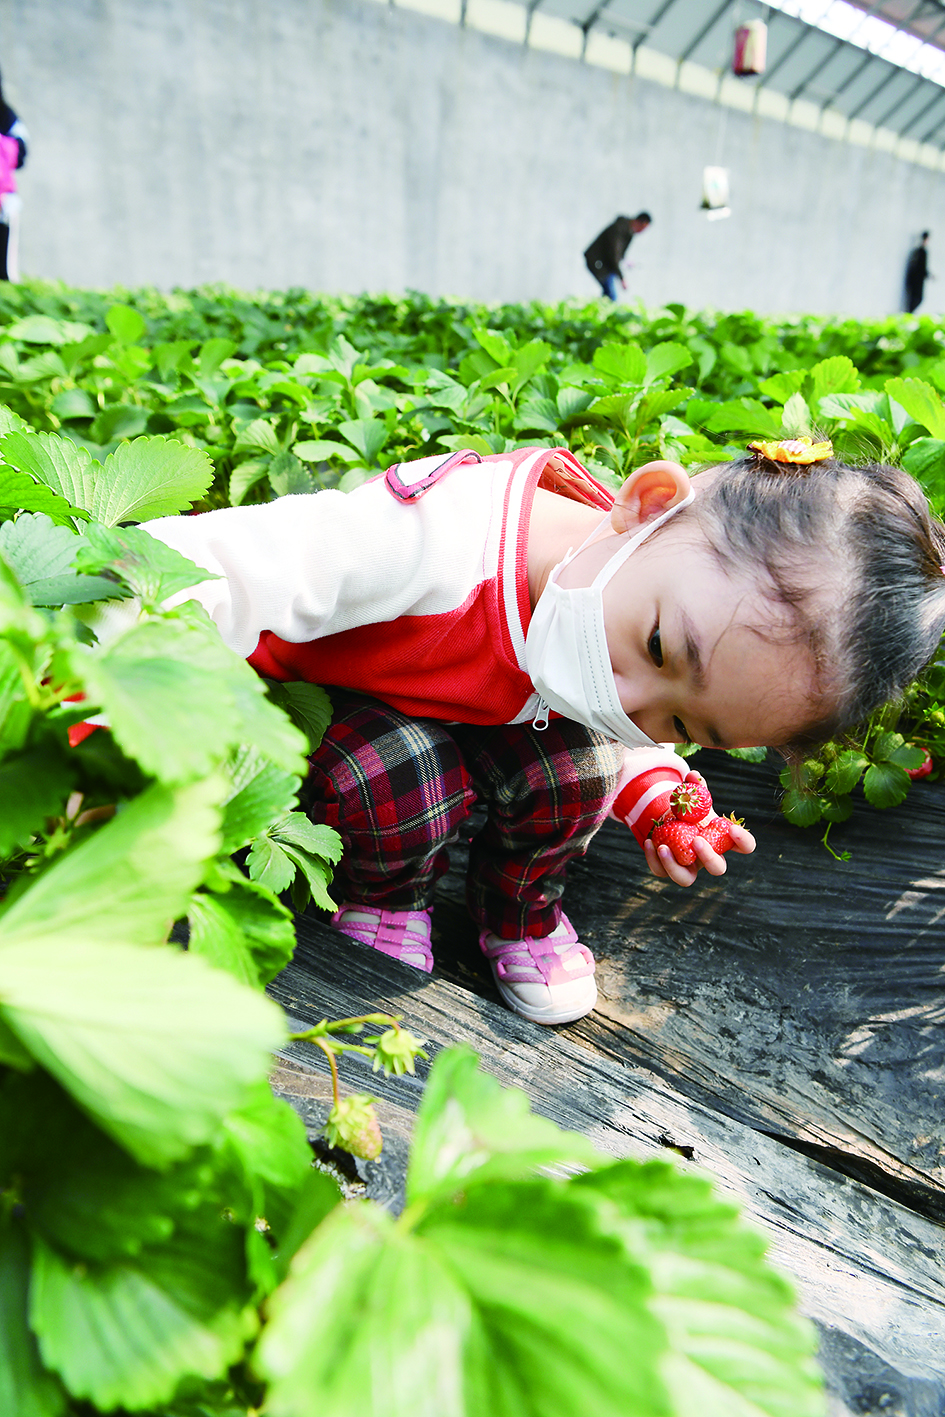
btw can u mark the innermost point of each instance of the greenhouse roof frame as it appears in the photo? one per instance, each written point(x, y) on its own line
point(880, 63)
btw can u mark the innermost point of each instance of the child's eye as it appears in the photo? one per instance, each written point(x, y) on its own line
point(682, 730)
point(655, 649)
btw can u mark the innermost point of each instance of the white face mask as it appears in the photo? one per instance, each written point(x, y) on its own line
point(566, 646)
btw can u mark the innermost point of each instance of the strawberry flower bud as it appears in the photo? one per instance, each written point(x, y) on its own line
point(396, 1050)
point(352, 1124)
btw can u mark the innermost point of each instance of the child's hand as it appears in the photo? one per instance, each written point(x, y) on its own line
point(663, 863)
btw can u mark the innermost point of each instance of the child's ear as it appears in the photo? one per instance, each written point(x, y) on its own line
point(647, 493)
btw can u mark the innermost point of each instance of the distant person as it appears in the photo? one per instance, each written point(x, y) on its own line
point(607, 250)
point(917, 273)
point(13, 137)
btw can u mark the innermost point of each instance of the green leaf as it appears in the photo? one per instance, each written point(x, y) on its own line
point(155, 1045)
point(268, 864)
point(470, 1129)
point(745, 416)
point(780, 387)
point(151, 570)
point(562, 1323)
point(308, 706)
point(925, 459)
point(40, 329)
point(151, 477)
point(369, 1320)
point(496, 346)
point(152, 691)
point(796, 416)
point(212, 354)
point(152, 854)
point(845, 772)
point(18, 492)
point(246, 475)
point(41, 555)
point(246, 931)
point(621, 363)
point(571, 401)
point(837, 375)
point(56, 462)
point(664, 360)
point(287, 476)
point(26, 1389)
point(318, 839)
point(121, 1337)
point(125, 323)
point(33, 787)
point(736, 1344)
point(323, 450)
point(886, 784)
point(368, 435)
point(257, 436)
point(920, 401)
point(73, 403)
point(802, 809)
point(260, 793)
point(119, 420)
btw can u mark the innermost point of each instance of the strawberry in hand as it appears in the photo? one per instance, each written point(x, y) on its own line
point(691, 835)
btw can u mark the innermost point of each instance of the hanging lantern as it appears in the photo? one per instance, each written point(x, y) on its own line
point(751, 44)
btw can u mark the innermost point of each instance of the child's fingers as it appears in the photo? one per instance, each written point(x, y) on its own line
point(711, 860)
point(663, 863)
point(742, 840)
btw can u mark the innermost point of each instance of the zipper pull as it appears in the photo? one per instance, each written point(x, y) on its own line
point(540, 721)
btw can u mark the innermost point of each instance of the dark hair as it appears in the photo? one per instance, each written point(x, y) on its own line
point(643, 216)
point(857, 556)
point(924, 236)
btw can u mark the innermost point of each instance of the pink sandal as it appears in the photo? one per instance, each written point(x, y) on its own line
point(402, 934)
point(549, 980)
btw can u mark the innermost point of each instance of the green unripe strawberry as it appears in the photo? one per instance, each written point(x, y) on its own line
point(352, 1124)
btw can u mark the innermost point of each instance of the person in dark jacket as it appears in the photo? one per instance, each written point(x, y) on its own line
point(917, 272)
point(607, 250)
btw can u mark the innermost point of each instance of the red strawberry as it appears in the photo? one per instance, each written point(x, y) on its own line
point(690, 801)
point(669, 831)
point(717, 834)
point(924, 768)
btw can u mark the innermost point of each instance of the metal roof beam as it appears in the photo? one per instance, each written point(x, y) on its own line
point(936, 98)
point(874, 93)
point(694, 44)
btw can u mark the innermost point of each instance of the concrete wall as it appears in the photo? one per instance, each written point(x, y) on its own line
point(345, 145)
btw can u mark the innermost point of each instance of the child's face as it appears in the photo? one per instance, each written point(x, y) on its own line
point(698, 654)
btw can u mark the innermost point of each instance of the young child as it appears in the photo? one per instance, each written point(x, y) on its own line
point(508, 630)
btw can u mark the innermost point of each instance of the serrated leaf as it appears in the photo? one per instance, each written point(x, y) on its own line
point(664, 360)
point(329, 1349)
point(316, 875)
point(313, 837)
point(920, 401)
point(119, 420)
point(148, 686)
point(26, 1388)
point(125, 323)
point(796, 416)
point(368, 435)
point(845, 772)
point(261, 793)
point(73, 403)
point(571, 400)
point(496, 345)
point(780, 387)
point(886, 784)
point(744, 416)
point(469, 1129)
point(39, 329)
point(802, 809)
point(155, 1045)
point(287, 476)
point(836, 375)
point(33, 787)
point(56, 462)
point(308, 706)
point(736, 1344)
point(41, 555)
point(150, 477)
point(150, 569)
point(268, 864)
point(257, 436)
point(621, 363)
point(244, 476)
point(324, 449)
point(18, 492)
point(562, 1324)
point(91, 1325)
point(244, 931)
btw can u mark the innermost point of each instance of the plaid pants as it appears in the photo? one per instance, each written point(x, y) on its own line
point(396, 790)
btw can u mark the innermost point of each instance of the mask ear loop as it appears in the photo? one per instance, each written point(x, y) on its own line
point(611, 568)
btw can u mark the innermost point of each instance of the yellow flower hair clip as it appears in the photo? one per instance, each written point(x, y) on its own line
point(802, 450)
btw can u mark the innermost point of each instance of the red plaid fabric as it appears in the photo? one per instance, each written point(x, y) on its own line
point(397, 788)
